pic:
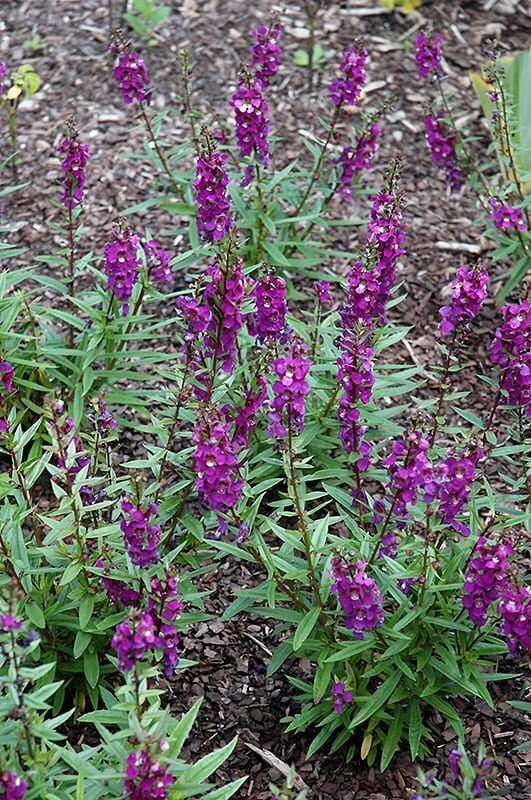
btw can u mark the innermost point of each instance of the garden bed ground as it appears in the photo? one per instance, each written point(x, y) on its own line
point(75, 68)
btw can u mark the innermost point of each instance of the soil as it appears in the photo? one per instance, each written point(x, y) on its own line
point(443, 232)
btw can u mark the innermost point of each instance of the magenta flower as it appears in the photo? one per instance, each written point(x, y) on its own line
point(7, 374)
point(355, 375)
point(76, 156)
point(347, 88)
point(442, 141)
point(506, 216)
point(196, 317)
point(469, 291)
point(265, 53)
point(357, 158)
point(340, 697)
point(213, 202)
point(451, 483)
point(245, 415)
point(9, 623)
point(165, 609)
point(158, 262)
point(385, 241)
point(141, 537)
point(122, 263)
point(485, 579)
point(132, 78)
point(269, 321)
point(12, 787)
point(321, 290)
point(252, 125)
point(3, 70)
point(289, 392)
point(511, 351)
point(146, 779)
point(118, 591)
point(133, 639)
point(515, 608)
point(216, 464)
point(359, 597)
point(428, 55)
point(409, 469)
point(103, 421)
point(224, 296)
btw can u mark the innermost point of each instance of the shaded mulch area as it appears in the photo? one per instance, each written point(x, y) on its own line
point(77, 77)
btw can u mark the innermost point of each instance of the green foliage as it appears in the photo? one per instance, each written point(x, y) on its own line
point(148, 17)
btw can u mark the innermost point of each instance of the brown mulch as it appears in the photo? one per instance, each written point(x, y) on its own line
point(239, 699)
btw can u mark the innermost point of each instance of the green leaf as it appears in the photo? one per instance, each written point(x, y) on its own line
point(305, 627)
point(377, 700)
point(415, 727)
point(392, 739)
point(91, 667)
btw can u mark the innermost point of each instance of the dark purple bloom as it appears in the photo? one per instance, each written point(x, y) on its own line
point(165, 608)
point(118, 591)
point(245, 415)
point(357, 158)
point(321, 290)
point(224, 296)
point(355, 374)
point(451, 482)
point(196, 316)
point(141, 537)
point(442, 140)
point(158, 262)
point(3, 70)
point(453, 760)
point(133, 638)
point(12, 787)
point(485, 579)
point(511, 351)
point(347, 88)
point(216, 464)
point(6, 375)
point(213, 202)
point(132, 78)
point(506, 216)
point(104, 421)
point(340, 696)
point(76, 156)
point(359, 596)
point(429, 54)
point(469, 291)
point(289, 392)
point(122, 263)
point(385, 241)
point(252, 125)
point(265, 53)
point(9, 623)
point(269, 321)
point(515, 608)
point(146, 779)
point(409, 469)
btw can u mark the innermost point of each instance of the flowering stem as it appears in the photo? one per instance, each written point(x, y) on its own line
point(260, 203)
point(187, 102)
point(173, 427)
point(443, 387)
point(177, 189)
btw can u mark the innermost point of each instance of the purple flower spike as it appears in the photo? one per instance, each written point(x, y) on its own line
point(357, 158)
point(76, 156)
point(515, 608)
point(132, 78)
point(158, 262)
point(269, 293)
point(340, 697)
point(141, 537)
point(290, 391)
point(265, 53)
point(485, 579)
point(442, 141)
point(122, 263)
point(133, 639)
point(216, 464)
point(7, 374)
point(469, 291)
point(146, 779)
point(252, 125)
point(429, 54)
point(506, 216)
point(213, 203)
point(511, 351)
point(346, 90)
point(359, 597)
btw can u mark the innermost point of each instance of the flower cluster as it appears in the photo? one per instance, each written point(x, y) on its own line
point(103, 420)
point(269, 321)
point(146, 778)
point(340, 696)
point(117, 591)
point(469, 291)
point(213, 203)
point(515, 608)
point(442, 142)
point(485, 578)
point(506, 216)
point(252, 125)
point(511, 351)
point(245, 415)
point(12, 787)
point(132, 77)
point(321, 290)
point(384, 243)
point(357, 158)
point(165, 608)
point(133, 638)
point(141, 537)
point(216, 464)
point(409, 470)
point(451, 482)
point(76, 155)
point(158, 262)
point(224, 296)
point(289, 391)
point(355, 374)
point(265, 53)
point(8, 623)
point(122, 263)
point(347, 88)
point(428, 54)
point(197, 317)
point(359, 596)
point(7, 373)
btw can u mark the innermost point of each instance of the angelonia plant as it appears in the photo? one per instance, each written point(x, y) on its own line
point(275, 420)
point(468, 779)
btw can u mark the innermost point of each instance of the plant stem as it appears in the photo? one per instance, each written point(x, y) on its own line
point(443, 386)
point(176, 188)
point(317, 169)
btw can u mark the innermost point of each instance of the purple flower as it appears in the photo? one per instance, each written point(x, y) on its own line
point(355, 159)
point(252, 125)
point(453, 760)
point(146, 779)
point(384, 244)
point(355, 375)
point(506, 216)
point(213, 202)
point(469, 291)
point(3, 70)
point(451, 482)
point(485, 578)
point(7, 374)
point(118, 591)
point(69, 451)
point(245, 415)
point(133, 638)
point(511, 351)
point(269, 321)
point(122, 263)
point(158, 262)
point(12, 787)
point(165, 608)
point(409, 470)
point(224, 296)
point(265, 53)
point(442, 142)
point(140, 536)
point(216, 465)
point(321, 290)
point(9, 623)
point(132, 78)
point(197, 317)
point(76, 156)
point(104, 421)
point(429, 54)
point(289, 392)
point(359, 596)
point(515, 608)
point(347, 88)
point(340, 697)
